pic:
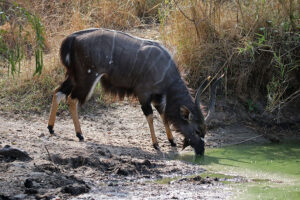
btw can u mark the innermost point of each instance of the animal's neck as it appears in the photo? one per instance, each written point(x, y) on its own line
point(177, 95)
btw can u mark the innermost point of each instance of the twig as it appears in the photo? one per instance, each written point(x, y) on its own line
point(48, 154)
point(53, 163)
point(243, 141)
point(154, 7)
point(223, 66)
point(190, 19)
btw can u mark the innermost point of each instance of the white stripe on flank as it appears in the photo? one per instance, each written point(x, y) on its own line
point(146, 58)
point(136, 54)
point(113, 48)
point(155, 43)
point(93, 87)
point(68, 58)
point(164, 72)
point(135, 59)
point(157, 59)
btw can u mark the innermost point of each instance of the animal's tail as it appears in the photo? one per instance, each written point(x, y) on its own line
point(66, 51)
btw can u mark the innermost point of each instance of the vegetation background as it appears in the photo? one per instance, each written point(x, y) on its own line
point(255, 43)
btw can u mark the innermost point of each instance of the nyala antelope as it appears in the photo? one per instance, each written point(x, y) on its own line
point(128, 65)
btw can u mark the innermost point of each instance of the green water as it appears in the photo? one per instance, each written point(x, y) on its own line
point(272, 171)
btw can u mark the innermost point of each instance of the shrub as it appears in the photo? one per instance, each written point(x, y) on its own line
point(256, 44)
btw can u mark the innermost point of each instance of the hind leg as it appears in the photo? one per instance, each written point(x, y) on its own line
point(59, 94)
point(80, 94)
point(73, 104)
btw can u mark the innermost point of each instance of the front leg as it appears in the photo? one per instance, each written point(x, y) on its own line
point(168, 130)
point(159, 105)
point(148, 112)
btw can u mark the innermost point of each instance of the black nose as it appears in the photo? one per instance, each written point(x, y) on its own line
point(200, 151)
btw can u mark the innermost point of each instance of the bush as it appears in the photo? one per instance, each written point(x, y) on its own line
point(255, 43)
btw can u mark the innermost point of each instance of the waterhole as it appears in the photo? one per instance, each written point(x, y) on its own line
point(265, 171)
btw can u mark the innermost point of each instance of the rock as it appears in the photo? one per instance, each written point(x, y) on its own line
point(122, 172)
point(12, 154)
point(42, 135)
point(75, 189)
point(3, 197)
point(45, 197)
point(19, 196)
point(197, 178)
point(112, 184)
point(31, 191)
point(28, 183)
point(147, 163)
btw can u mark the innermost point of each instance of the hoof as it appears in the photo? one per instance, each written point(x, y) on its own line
point(80, 137)
point(173, 144)
point(156, 146)
point(50, 128)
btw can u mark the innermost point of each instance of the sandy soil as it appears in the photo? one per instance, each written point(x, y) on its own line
point(116, 160)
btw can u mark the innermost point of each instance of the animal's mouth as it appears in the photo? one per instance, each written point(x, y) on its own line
point(199, 148)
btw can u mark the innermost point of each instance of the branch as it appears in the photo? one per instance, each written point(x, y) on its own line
point(192, 20)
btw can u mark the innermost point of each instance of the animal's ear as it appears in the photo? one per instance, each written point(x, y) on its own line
point(185, 113)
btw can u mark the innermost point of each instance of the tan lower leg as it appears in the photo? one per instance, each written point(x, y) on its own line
point(53, 111)
point(150, 123)
point(73, 109)
point(167, 127)
point(54, 107)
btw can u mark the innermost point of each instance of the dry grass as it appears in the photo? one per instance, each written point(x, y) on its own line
point(25, 92)
point(242, 39)
point(256, 43)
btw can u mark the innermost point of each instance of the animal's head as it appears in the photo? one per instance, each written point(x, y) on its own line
point(193, 122)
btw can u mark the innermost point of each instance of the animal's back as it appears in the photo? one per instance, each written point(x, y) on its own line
point(130, 64)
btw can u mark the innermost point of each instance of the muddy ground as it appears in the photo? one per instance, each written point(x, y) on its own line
point(115, 161)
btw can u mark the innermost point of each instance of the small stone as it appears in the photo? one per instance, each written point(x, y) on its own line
point(122, 172)
point(75, 189)
point(197, 178)
point(28, 183)
point(31, 191)
point(110, 184)
point(147, 163)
